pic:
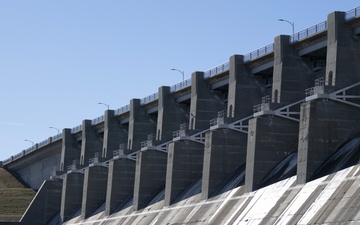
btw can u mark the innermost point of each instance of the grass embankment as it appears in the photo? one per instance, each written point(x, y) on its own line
point(14, 197)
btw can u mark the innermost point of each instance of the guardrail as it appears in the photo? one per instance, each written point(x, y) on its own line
point(149, 98)
point(98, 120)
point(309, 32)
point(352, 14)
point(259, 52)
point(217, 70)
point(181, 85)
point(122, 110)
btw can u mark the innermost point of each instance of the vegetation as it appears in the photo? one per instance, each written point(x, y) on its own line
point(14, 197)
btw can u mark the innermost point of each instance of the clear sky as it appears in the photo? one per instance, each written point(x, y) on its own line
point(58, 59)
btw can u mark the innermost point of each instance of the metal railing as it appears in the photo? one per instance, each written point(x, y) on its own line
point(149, 98)
point(352, 14)
point(217, 70)
point(122, 110)
point(181, 85)
point(261, 107)
point(76, 129)
point(309, 32)
point(98, 120)
point(318, 88)
point(259, 52)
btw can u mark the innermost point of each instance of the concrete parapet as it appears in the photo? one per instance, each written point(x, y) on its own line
point(45, 204)
point(324, 125)
point(150, 176)
point(244, 90)
point(70, 150)
point(140, 126)
point(170, 115)
point(94, 190)
point(71, 197)
point(204, 105)
point(270, 139)
point(120, 183)
point(184, 165)
point(225, 151)
point(114, 134)
point(91, 143)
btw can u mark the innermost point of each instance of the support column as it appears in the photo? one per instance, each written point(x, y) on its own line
point(170, 115)
point(270, 139)
point(140, 125)
point(244, 90)
point(114, 134)
point(290, 77)
point(225, 151)
point(94, 192)
point(184, 165)
point(91, 143)
point(149, 178)
point(120, 183)
point(324, 125)
point(71, 197)
point(343, 53)
point(204, 105)
point(70, 150)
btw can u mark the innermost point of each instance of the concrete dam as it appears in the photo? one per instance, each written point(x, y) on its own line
point(270, 137)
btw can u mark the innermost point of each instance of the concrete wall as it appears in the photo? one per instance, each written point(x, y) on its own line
point(46, 203)
point(94, 189)
point(184, 165)
point(114, 134)
point(149, 177)
point(225, 151)
point(120, 186)
point(71, 197)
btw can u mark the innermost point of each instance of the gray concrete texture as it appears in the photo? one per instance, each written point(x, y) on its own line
point(315, 130)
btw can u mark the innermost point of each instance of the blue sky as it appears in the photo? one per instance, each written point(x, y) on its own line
point(58, 59)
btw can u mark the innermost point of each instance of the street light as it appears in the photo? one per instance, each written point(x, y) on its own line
point(182, 72)
point(100, 103)
point(291, 23)
point(58, 130)
point(29, 141)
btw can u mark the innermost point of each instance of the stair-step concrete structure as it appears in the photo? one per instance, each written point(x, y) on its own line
point(237, 144)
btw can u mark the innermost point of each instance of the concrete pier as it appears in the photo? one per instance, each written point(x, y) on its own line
point(114, 134)
point(94, 190)
point(241, 86)
point(71, 197)
point(120, 184)
point(149, 177)
point(204, 104)
point(290, 77)
point(170, 115)
point(324, 126)
point(70, 150)
point(91, 143)
point(225, 151)
point(140, 126)
point(184, 165)
point(270, 139)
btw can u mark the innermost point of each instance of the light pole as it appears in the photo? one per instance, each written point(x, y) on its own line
point(58, 130)
point(29, 141)
point(291, 23)
point(182, 72)
point(100, 103)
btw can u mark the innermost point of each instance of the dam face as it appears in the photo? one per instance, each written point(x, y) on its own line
point(270, 137)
